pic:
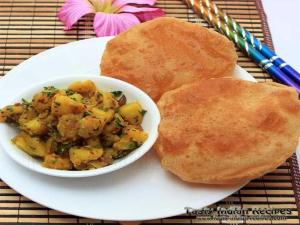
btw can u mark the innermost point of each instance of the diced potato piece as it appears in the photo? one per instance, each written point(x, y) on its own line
point(136, 135)
point(51, 120)
point(132, 112)
point(11, 111)
point(61, 92)
point(80, 156)
point(35, 126)
point(109, 102)
point(96, 99)
point(106, 116)
point(31, 145)
point(76, 97)
point(62, 105)
point(111, 128)
point(54, 161)
point(125, 143)
point(115, 126)
point(68, 126)
point(51, 145)
point(97, 164)
point(94, 142)
point(90, 126)
point(109, 154)
point(86, 88)
point(27, 115)
point(44, 115)
point(42, 101)
point(109, 139)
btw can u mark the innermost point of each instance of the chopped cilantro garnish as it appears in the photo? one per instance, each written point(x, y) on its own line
point(87, 113)
point(61, 149)
point(84, 101)
point(52, 130)
point(50, 91)
point(119, 122)
point(121, 154)
point(117, 93)
point(54, 133)
point(25, 102)
point(143, 112)
point(132, 145)
point(70, 92)
point(99, 94)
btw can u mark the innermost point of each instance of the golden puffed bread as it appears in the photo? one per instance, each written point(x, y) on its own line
point(227, 131)
point(162, 54)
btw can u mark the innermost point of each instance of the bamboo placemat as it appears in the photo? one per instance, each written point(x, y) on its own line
point(28, 27)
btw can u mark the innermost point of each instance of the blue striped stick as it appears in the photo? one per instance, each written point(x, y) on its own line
point(261, 60)
point(268, 53)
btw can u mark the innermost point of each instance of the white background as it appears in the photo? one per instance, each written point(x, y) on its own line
point(283, 19)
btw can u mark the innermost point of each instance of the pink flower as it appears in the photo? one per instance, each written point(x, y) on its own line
point(111, 16)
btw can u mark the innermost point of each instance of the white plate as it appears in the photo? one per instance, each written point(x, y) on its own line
point(140, 191)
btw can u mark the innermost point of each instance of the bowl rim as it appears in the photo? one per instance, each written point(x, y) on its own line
point(138, 153)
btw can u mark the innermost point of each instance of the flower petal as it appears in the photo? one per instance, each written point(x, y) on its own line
point(112, 24)
point(120, 3)
point(149, 15)
point(72, 11)
point(133, 9)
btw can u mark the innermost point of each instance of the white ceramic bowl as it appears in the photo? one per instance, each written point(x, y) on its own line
point(132, 93)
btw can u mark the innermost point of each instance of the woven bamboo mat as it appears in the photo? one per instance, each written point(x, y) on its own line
point(28, 27)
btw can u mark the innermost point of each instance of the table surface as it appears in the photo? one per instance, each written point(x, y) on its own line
point(285, 30)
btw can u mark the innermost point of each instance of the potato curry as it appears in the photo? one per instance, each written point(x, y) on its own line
point(78, 128)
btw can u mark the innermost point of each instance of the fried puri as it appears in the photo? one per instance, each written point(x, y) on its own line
point(162, 54)
point(227, 131)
